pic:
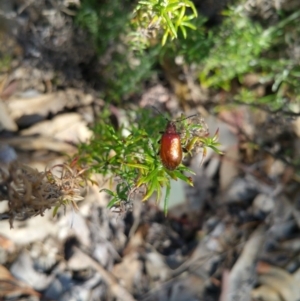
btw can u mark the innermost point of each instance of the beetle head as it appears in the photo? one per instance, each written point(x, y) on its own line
point(171, 128)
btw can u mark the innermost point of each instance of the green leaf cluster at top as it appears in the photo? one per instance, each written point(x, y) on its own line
point(123, 70)
point(120, 32)
point(128, 37)
point(130, 156)
point(167, 15)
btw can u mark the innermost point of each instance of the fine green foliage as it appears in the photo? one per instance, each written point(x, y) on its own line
point(236, 47)
point(105, 20)
point(125, 35)
point(195, 47)
point(5, 62)
point(243, 46)
point(168, 16)
point(123, 69)
point(128, 35)
point(132, 39)
point(130, 155)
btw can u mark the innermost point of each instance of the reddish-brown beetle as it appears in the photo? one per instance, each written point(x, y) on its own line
point(170, 149)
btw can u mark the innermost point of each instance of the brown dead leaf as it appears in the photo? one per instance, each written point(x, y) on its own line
point(129, 271)
point(116, 289)
point(6, 121)
point(9, 89)
point(137, 240)
point(265, 293)
point(156, 267)
point(9, 286)
point(279, 280)
point(65, 127)
point(241, 277)
point(238, 119)
point(44, 104)
point(230, 167)
point(7, 244)
point(39, 143)
point(251, 79)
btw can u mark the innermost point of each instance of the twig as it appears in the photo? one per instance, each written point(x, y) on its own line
point(241, 277)
point(116, 289)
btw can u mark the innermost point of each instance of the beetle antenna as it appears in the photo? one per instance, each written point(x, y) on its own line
point(187, 117)
point(155, 108)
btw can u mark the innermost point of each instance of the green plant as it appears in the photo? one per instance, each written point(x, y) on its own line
point(132, 159)
point(5, 62)
point(195, 47)
point(123, 36)
point(237, 45)
point(106, 21)
point(167, 16)
point(122, 69)
point(243, 46)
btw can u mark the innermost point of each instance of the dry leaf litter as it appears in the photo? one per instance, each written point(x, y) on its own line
point(234, 236)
